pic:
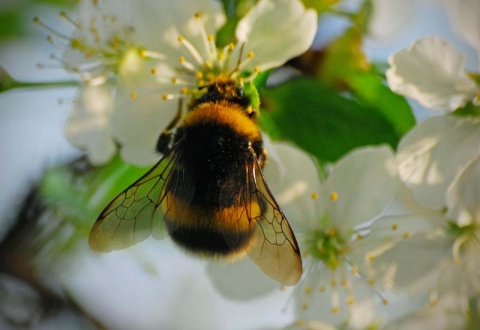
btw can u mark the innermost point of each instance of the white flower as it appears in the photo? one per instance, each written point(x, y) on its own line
point(432, 72)
point(435, 153)
point(360, 189)
point(152, 52)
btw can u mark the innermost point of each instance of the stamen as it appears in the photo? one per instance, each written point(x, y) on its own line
point(187, 65)
point(153, 71)
point(70, 20)
point(334, 196)
point(192, 50)
point(40, 23)
point(151, 54)
point(314, 196)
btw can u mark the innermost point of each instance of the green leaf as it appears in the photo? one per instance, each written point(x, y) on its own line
point(322, 122)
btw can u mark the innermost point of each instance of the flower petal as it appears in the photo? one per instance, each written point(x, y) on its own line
point(433, 153)
point(463, 196)
point(88, 125)
point(432, 72)
point(463, 16)
point(292, 178)
point(275, 31)
point(362, 185)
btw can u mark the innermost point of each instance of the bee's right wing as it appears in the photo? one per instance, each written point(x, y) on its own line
point(136, 213)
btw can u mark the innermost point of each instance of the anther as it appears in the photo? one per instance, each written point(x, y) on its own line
point(308, 290)
point(335, 310)
point(256, 69)
point(182, 59)
point(153, 71)
point(197, 15)
point(394, 227)
point(250, 54)
point(133, 96)
point(314, 196)
point(199, 75)
point(211, 37)
point(181, 38)
point(334, 196)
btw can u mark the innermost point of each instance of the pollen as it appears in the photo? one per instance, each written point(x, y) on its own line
point(197, 15)
point(314, 196)
point(184, 90)
point(256, 69)
point(359, 237)
point(385, 301)
point(153, 71)
point(143, 53)
point(250, 54)
point(394, 227)
point(344, 283)
point(335, 310)
point(334, 196)
point(371, 281)
point(231, 46)
point(331, 232)
point(355, 270)
point(182, 59)
point(220, 57)
point(308, 290)
point(180, 38)
point(433, 302)
point(406, 235)
point(350, 301)
point(165, 97)
point(133, 96)
point(371, 257)
point(211, 37)
point(174, 80)
point(199, 75)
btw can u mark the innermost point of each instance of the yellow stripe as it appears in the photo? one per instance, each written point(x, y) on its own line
point(230, 219)
point(224, 113)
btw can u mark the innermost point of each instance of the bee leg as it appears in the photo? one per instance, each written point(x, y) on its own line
point(166, 136)
point(263, 158)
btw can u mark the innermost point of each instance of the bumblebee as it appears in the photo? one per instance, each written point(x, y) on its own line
point(208, 190)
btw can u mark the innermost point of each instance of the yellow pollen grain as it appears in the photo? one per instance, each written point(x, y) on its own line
point(197, 15)
point(164, 97)
point(256, 69)
point(331, 232)
point(153, 71)
point(231, 46)
point(350, 301)
point(199, 75)
point(384, 301)
point(133, 96)
point(371, 281)
point(359, 237)
point(308, 290)
point(406, 235)
point(334, 196)
point(371, 257)
point(180, 38)
point(208, 65)
point(335, 310)
point(322, 289)
point(394, 227)
point(250, 54)
point(314, 196)
point(304, 306)
point(211, 37)
point(174, 80)
point(184, 90)
point(220, 57)
point(182, 59)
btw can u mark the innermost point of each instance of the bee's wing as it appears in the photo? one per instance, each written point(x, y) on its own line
point(274, 249)
point(134, 214)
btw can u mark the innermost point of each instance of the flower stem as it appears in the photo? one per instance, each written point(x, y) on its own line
point(7, 82)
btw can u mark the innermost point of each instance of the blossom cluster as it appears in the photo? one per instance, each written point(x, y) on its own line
point(385, 235)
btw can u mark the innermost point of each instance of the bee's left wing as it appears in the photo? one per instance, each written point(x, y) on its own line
point(134, 214)
point(274, 249)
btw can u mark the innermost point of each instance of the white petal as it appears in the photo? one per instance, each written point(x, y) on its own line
point(433, 153)
point(365, 182)
point(276, 30)
point(390, 16)
point(464, 16)
point(88, 125)
point(137, 124)
point(241, 280)
point(432, 72)
point(292, 177)
point(463, 196)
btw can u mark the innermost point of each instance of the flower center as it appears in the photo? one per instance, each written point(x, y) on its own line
point(327, 246)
